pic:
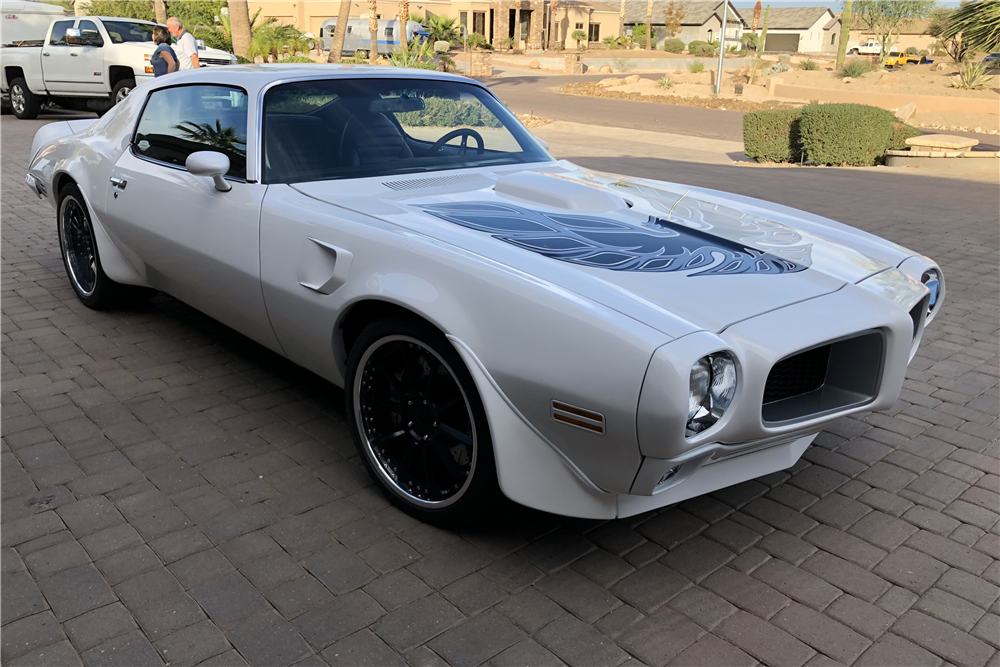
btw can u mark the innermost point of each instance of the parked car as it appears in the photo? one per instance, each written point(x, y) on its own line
point(869, 48)
point(992, 60)
point(502, 323)
point(87, 62)
point(897, 59)
point(359, 37)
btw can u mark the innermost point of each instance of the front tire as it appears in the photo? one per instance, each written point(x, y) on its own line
point(23, 102)
point(419, 424)
point(122, 90)
point(82, 260)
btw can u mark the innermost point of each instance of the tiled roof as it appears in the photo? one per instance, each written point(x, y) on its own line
point(789, 18)
point(695, 12)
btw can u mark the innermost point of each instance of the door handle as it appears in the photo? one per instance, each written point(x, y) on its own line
point(74, 54)
point(119, 183)
point(45, 53)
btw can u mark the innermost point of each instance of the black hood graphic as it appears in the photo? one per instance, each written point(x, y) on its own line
point(654, 246)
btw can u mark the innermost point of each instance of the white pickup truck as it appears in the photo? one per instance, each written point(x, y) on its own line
point(84, 63)
point(869, 48)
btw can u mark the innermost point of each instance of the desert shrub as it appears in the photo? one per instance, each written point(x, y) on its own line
point(923, 52)
point(911, 51)
point(855, 68)
point(784, 58)
point(900, 133)
point(776, 68)
point(443, 112)
point(846, 134)
point(673, 45)
point(701, 49)
point(772, 135)
point(477, 41)
point(665, 82)
point(809, 65)
point(240, 60)
point(972, 76)
point(696, 67)
point(296, 59)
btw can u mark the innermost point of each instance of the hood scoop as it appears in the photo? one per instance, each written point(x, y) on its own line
point(556, 192)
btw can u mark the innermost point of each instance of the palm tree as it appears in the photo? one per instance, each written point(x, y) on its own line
point(242, 34)
point(553, 6)
point(272, 40)
point(373, 29)
point(621, 20)
point(160, 9)
point(649, 24)
point(337, 43)
point(224, 138)
point(442, 29)
point(404, 17)
point(517, 24)
point(979, 24)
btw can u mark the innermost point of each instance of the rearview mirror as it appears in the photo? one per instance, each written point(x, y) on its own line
point(212, 164)
point(397, 105)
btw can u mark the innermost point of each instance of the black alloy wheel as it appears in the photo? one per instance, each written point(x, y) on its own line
point(419, 424)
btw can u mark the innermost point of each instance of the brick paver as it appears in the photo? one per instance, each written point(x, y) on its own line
point(173, 493)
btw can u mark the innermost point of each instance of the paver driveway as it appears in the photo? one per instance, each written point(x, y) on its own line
point(173, 492)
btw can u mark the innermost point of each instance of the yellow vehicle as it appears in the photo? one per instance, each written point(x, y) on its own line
point(896, 59)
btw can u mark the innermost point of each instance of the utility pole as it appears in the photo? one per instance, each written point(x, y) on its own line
point(722, 45)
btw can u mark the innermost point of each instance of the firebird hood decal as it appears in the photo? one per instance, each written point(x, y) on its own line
point(654, 245)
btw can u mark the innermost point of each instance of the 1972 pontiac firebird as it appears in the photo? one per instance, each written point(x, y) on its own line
point(501, 322)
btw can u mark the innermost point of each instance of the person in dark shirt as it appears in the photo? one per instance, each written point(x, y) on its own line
point(163, 60)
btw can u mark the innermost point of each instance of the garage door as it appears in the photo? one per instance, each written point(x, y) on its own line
point(786, 43)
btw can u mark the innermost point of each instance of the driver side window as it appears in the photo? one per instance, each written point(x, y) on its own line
point(186, 119)
point(89, 34)
point(58, 36)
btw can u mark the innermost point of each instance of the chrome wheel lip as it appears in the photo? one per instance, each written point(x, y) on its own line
point(17, 99)
point(71, 253)
point(367, 446)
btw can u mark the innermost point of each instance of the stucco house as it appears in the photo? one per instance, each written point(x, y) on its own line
point(800, 29)
point(702, 20)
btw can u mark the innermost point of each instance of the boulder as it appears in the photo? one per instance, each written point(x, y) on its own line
point(610, 82)
point(534, 64)
point(846, 79)
point(634, 78)
point(936, 66)
point(905, 112)
point(605, 69)
point(887, 80)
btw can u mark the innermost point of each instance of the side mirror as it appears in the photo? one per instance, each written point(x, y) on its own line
point(212, 164)
point(544, 144)
point(72, 35)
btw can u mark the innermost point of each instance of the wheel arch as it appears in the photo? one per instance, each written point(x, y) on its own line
point(118, 73)
point(12, 72)
point(362, 313)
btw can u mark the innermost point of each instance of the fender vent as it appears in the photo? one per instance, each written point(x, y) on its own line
point(571, 415)
point(438, 181)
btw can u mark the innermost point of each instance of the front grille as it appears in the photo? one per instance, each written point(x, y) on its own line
point(213, 61)
point(797, 375)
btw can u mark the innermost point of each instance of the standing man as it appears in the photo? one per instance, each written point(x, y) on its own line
point(185, 47)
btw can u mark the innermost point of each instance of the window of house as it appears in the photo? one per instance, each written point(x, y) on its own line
point(711, 36)
point(833, 38)
point(579, 26)
point(595, 32)
point(463, 18)
point(349, 29)
point(186, 119)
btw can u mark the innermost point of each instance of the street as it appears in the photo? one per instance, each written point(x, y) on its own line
point(174, 493)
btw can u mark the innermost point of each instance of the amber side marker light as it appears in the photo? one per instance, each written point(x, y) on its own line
point(578, 417)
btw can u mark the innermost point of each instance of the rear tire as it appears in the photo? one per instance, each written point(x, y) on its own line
point(419, 424)
point(78, 247)
point(122, 90)
point(23, 102)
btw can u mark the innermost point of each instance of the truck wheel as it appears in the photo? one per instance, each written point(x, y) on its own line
point(25, 103)
point(121, 90)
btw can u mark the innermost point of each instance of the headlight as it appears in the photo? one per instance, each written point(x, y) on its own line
point(712, 387)
point(932, 279)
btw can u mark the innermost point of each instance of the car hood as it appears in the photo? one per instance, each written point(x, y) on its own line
point(677, 258)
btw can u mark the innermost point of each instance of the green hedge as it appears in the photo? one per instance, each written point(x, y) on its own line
point(701, 49)
point(673, 45)
point(772, 136)
point(854, 135)
point(900, 133)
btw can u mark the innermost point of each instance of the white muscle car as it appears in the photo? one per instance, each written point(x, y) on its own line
point(502, 323)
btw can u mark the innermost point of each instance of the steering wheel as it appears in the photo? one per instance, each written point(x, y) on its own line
point(463, 132)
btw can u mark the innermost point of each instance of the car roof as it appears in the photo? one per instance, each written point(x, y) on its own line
point(255, 77)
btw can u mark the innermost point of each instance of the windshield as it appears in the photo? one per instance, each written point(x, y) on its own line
point(127, 31)
point(355, 128)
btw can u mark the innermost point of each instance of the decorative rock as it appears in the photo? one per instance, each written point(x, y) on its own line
point(905, 112)
point(534, 64)
point(442, 46)
point(634, 78)
point(605, 69)
point(936, 66)
point(846, 79)
point(887, 80)
point(941, 142)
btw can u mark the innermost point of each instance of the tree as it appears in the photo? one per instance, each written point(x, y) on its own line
point(127, 9)
point(954, 45)
point(242, 31)
point(885, 18)
point(272, 41)
point(979, 24)
point(160, 10)
point(760, 46)
point(673, 19)
point(845, 32)
point(340, 32)
point(621, 19)
point(404, 16)
point(442, 29)
point(580, 37)
point(373, 29)
point(553, 6)
point(517, 24)
point(649, 25)
point(756, 17)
